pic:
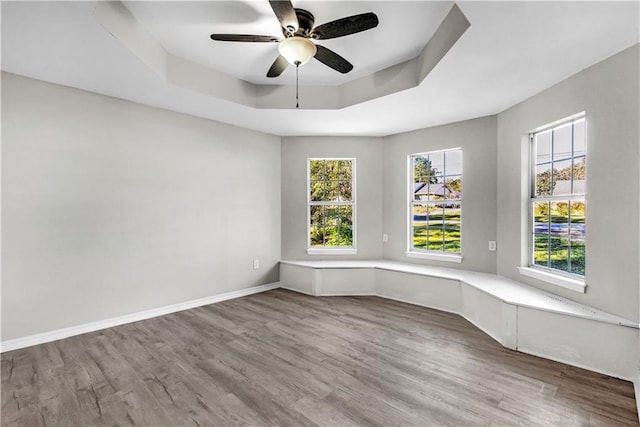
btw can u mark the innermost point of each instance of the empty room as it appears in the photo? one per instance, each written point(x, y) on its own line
point(320, 213)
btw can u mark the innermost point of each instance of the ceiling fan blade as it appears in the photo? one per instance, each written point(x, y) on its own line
point(286, 14)
point(345, 26)
point(244, 38)
point(333, 60)
point(278, 66)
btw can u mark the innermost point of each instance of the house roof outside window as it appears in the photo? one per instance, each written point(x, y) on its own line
point(422, 191)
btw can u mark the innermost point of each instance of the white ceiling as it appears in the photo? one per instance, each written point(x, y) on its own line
point(183, 29)
point(511, 51)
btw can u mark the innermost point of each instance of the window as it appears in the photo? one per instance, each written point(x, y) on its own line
point(435, 203)
point(557, 208)
point(331, 206)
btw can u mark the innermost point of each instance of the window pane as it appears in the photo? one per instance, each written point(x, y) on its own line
point(437, 191)
point(579, 176)
point(580, 168)
point(316, 191)
point(316, 170)
point(577, 257)
point(579, 139)
point(452, 217)
point(332, 169)
point(562, 143)
point(344, 191)
point(346, 169)
point(338, 222)
point(558, 253)
point(436, 214)
point(346, 216)
point(452, 236)
point(543, 180)
point(577, 234)
point(435, 228)
point(579, 161)
point(317, 215)
point(540, 217)
point(559, 219)
point(541, 249)
point(437, 181)
point(316, 230)
point(331, 225)
point(437, 162)
point(331, 191)
point(331, 214)
point(342, 237)
point(452, 212)
point(577, 226)
point(561, 178)
point(543, 148)
point(418, 190)
point(419, 236)
point(454, 187)
point(453, 161)
point(434, 237)
point(422, 169)
point(419, 226)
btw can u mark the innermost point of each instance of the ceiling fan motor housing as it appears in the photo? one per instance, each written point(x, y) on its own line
point(305, 22)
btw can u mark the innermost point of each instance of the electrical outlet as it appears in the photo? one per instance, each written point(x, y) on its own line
point(385, 238)
point(492, 245)
point(256, 264)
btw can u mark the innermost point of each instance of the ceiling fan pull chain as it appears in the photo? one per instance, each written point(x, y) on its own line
point(297, 67)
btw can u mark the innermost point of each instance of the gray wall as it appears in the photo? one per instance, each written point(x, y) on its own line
point(111, 207)
point(608, 92)
point(368, 155)
point(477, 138)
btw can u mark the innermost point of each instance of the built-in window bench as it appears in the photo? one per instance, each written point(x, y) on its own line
point(518, 316)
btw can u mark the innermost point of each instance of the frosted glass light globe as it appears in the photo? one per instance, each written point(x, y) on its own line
point(297, 50)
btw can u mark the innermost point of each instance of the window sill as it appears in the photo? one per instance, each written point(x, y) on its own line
point(331, 251)
point(435, 256)
point(555, 279)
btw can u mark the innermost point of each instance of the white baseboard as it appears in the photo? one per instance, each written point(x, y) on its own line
point(348, 294)
point(300, 291)
point(58, 334)
point(339, 294)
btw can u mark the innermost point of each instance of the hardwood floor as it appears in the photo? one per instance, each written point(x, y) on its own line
point(282, 358)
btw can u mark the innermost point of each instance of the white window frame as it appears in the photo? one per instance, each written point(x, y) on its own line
point(411, 252)
point(554, 276)
point(332, 250)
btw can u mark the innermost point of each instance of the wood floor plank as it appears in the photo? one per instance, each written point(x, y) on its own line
point(284, 359)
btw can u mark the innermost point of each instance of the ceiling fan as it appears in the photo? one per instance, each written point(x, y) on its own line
point(298, 29)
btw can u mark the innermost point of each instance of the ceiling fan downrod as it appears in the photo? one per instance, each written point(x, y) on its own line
point(297, 100)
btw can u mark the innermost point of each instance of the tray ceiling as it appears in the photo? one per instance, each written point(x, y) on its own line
point(511, 51)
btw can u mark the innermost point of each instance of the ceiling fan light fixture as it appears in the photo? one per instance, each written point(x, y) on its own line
point(297, 50)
